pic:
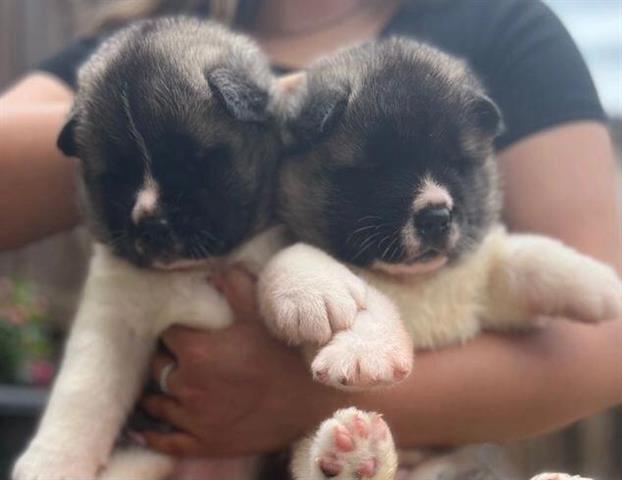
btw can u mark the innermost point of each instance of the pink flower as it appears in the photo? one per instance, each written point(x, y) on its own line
point(41, 372)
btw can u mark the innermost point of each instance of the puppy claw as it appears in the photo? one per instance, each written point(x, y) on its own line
point(352, 362)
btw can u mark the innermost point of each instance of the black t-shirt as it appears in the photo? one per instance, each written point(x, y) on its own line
point(521, 51)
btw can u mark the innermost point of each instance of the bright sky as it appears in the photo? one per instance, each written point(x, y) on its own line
point(596, 26)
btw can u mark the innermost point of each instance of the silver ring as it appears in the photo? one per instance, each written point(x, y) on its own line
point(166, 371)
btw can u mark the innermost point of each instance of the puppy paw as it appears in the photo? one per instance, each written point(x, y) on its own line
point(590, 292)
point(308, 301)
point(594, 295)
point(48, 464)
point(359, 358)
point(550, 278)
point(348, 364)
point(353, 445)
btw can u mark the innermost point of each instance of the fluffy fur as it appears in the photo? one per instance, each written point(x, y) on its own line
point(393, 173)
point(175, 126)
point(174, 121)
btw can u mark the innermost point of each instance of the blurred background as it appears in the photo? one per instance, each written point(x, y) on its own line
point(38, 291)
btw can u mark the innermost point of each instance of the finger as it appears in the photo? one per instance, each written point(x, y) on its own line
point(158, 364)
point(240, 290)
point(168, 409)
point(177, 337)
point(218, 281)
point(178, 444)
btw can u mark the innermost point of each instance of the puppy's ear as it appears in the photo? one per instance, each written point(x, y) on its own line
point(292, 84)
point(318, 115)
point(66, 141)
point(243, 99)
point(487, 115)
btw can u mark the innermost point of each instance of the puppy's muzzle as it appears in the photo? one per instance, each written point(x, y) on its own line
point(433, 226)
point(153, 234)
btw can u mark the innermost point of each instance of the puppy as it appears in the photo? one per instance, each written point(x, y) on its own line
point(394, 175)
point(175, 125)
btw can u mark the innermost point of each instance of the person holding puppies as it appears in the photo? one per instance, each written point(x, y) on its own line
point(554, 130)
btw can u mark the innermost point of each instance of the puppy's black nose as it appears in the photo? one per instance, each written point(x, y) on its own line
point(154, 231)
point(433, 223)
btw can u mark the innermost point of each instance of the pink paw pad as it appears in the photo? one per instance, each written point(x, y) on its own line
point(330, 465)
point(360, 426)
point(343, 439)
point(368, 468)
point(353, 444)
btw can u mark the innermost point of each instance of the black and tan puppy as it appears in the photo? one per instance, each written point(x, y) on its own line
point(393, 173)
point(175, 126)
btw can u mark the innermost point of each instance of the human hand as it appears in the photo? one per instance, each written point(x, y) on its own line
point(240, 391)
point(235, 391)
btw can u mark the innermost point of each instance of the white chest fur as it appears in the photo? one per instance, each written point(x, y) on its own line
point(443, 307)
point(123, 310)
point(505, 284)
point(151, 300)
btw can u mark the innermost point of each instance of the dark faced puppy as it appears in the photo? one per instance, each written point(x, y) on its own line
point(393, 164)
point(173, 123)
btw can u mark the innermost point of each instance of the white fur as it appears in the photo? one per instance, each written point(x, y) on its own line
point(432, 193)
point(415, 268)
point(410, 239)
point(146, 200)
point(376, 350)
point(504, 284)
point(123, 311)
point(137, 463)
point(306, 297)
point(371, 440)
point(508, 280)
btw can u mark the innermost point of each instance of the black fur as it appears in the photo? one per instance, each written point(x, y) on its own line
point(406, 111)
point(66, 141)
point(161, 100)
point(318, 117)
point(242, 99)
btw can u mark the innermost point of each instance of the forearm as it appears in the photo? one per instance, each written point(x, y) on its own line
point(37, 183)
point(500, 387)
point(493, 388)
point(563, 183)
